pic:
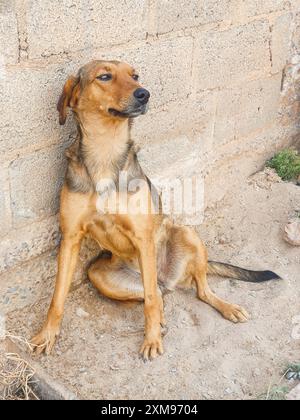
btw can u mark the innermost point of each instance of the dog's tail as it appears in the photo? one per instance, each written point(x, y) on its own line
point(233, 272)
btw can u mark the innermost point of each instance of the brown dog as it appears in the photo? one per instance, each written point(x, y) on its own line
point(143, 248)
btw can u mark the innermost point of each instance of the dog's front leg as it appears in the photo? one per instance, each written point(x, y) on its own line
point(152, 345)
point(67, 259)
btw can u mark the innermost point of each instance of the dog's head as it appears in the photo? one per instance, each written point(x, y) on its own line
point(107, 88)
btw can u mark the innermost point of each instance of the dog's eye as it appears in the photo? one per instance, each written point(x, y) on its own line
point(105, 77)
point(136, 77)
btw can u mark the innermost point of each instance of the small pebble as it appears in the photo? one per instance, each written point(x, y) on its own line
point(81, 313)
point(114, 368)
point(12, 290)
point(223, 240)
point(291, 376)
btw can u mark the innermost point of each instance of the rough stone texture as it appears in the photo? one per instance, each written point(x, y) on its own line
point(28, 242)
point(225, 57)
point(253, 151)
point(28, 283)
point(28, 108)
point(35, 184)
point(245, 109)
point(169, 157)
point(224, 82)
point(296, 38)
point(176, 15)
point(258, 7)
point(281, 38)
point(9, 47)
point(83, 24)
point(176, 119)
point(4, 203)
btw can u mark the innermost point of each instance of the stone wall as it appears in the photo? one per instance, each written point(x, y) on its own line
point(223, 77)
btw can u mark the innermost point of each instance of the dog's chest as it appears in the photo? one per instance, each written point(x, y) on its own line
point(110, 236)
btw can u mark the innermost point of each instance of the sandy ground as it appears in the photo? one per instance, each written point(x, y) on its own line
point(206, 357)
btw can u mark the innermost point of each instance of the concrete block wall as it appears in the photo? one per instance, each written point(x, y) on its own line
point(223, 76)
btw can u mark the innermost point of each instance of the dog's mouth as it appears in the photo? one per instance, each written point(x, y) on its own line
point(130, 112)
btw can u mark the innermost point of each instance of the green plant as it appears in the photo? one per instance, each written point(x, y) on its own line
point(277, 393)
point(286, 163)
point(280, 391)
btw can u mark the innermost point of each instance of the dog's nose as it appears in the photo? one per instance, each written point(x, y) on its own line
point(142, 95)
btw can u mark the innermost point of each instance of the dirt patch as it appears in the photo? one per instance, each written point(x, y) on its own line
point(294, 395)
point(206, 357)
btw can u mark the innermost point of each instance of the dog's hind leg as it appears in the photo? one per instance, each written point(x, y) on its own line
point(233, 313)
point(115, 280)
point(185, 242)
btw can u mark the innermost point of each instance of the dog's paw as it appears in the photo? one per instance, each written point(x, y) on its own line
point(44, 341)
point(151, 348)
point(236, 314)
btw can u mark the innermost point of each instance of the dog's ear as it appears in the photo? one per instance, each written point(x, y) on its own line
point(68, 98)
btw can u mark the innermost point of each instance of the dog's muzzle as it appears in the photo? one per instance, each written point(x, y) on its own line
point(139, 105)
